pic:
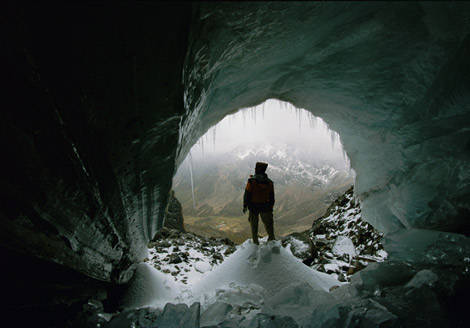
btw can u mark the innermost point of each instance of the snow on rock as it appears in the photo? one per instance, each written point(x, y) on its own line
point(344, 245)
point(186, 257)
point(202, 267)
point(339, 243)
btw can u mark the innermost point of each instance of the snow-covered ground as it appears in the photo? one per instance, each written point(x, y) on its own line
point(253, 281)
point(187, 257)
point(245, 285)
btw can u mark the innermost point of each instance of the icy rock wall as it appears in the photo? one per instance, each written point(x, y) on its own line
point(89, 128)
point(173, 218)
point(97, 112)
point(393, 79)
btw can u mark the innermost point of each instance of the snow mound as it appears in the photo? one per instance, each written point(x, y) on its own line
point(149, 287)
point(344, 245)
point(254, 272)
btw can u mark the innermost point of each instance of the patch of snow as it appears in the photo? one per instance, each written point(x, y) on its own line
point(267, 268)
point(244, 155)
point(202, 267)
point(298, 245)
point(149, 287)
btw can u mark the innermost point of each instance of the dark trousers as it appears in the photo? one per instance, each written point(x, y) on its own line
point(267, 218)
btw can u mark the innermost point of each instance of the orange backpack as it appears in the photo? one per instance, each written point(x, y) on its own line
point(259, 191)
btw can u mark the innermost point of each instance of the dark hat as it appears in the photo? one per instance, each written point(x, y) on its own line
point(261, 167)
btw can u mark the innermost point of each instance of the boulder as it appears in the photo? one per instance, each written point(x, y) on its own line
point(174, 213)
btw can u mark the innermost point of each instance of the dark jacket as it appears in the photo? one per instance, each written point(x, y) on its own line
point(259, 193)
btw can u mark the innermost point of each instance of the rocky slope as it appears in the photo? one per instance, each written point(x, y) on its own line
point(187, 256)
point(339, 242)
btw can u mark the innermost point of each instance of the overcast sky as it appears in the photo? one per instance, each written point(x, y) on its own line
point(272, 122)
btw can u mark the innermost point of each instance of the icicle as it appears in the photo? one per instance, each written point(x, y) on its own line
point(312, 120)
point(244, 119)
point(332, 139)
point(300, 120)
point(202, 146)
point(213, 138)
point(192, 179)
point(255, 110)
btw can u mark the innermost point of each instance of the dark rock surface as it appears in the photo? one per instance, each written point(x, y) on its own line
point(339, 242)
point(89, 131)
point(95, 102)
point(174, 214)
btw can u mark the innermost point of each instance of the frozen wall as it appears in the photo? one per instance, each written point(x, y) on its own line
point(391, 78)
point(89, 130)
point(102, 102)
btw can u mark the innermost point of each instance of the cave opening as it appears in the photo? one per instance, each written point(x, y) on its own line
point(306, 160)
point(204, 251)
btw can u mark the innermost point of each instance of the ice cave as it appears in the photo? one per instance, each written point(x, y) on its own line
point(104, 101)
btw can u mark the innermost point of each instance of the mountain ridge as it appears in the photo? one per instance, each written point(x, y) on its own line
point(305, 185)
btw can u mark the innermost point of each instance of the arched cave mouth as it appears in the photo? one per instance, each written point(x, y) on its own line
point(306, 160)
point(310, 166)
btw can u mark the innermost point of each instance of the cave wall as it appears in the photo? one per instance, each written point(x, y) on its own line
point(102, 102)
point(391, 78)
point(89, 129)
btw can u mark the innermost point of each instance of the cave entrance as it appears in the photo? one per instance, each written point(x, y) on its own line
point(311, 174)
point(307, 163)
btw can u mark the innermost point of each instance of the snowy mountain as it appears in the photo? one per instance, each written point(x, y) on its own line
point(304, 185)
point(289, 165)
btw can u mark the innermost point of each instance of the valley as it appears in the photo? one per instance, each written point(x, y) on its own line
point(304, 188)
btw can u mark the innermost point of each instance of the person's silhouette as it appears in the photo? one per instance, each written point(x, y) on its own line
point(259, 200)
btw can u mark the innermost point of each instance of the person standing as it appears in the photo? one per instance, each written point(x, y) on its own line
point(259, 200)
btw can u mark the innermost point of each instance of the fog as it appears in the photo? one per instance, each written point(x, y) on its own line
point(272, 123)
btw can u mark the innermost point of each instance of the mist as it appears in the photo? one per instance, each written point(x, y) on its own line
point(271, 124)
point(306, 161)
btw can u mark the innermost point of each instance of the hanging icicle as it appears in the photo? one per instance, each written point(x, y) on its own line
point(192, 179)
point(213, 137)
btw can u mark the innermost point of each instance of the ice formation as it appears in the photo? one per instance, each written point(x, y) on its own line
point(387, 119)
point(100, 110)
